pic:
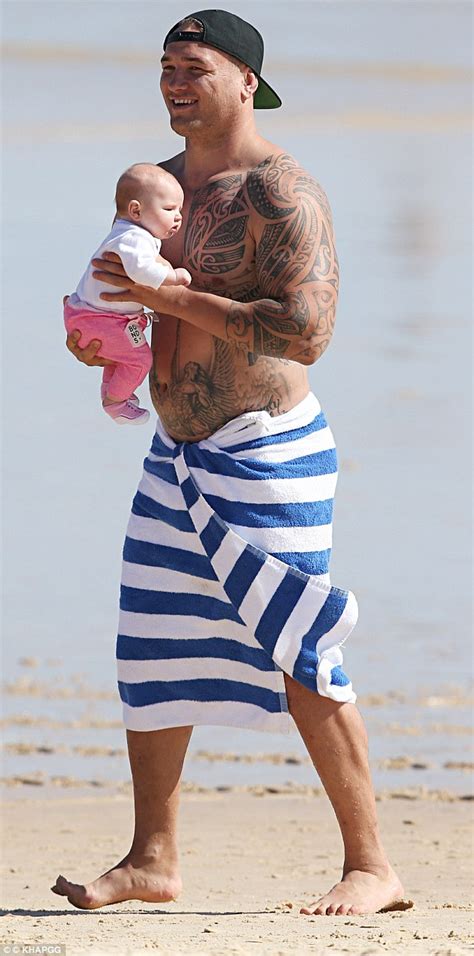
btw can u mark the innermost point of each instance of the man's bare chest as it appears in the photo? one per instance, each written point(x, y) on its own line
point(215, 241)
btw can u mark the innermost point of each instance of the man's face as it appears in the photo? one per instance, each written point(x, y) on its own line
point(200, 86)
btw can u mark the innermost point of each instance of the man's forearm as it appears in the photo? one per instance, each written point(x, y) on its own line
point(265, 327)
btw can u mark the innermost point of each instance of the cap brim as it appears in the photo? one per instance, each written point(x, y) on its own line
point(265, 98)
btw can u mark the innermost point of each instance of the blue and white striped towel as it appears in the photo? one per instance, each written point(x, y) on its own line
point(225, 581)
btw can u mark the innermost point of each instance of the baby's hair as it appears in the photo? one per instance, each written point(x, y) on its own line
point(136, 182)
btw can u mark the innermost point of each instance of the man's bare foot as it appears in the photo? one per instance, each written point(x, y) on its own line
point(134, 878)
point(361, 892)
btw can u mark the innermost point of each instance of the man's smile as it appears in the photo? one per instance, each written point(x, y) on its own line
point(182, 102)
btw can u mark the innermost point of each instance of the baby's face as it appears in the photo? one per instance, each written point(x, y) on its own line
point(161, 210)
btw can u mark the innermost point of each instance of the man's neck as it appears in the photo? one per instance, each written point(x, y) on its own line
point(235, 149)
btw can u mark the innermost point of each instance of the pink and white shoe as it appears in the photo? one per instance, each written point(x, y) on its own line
point(127, 413)
point(103, 394)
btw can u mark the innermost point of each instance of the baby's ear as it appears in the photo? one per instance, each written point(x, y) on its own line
point(134, 209)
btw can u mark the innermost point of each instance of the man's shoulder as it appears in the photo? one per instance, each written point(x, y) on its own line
point(277, 159)
point(277, 182)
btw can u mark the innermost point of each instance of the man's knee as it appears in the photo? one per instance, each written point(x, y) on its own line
point(302, 700)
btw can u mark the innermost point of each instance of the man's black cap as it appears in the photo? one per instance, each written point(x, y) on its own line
point(229, 33)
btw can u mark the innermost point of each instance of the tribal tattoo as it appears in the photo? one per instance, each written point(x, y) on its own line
point(263, 239)
point(217, 228)
point(295, 261)
point(296, 266)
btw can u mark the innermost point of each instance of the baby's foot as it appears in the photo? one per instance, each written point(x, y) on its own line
point(127, 413)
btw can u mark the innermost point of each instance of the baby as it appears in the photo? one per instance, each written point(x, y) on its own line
point(149, 205)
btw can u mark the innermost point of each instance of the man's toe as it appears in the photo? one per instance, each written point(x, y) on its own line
point(343, 909)
point(60, 887)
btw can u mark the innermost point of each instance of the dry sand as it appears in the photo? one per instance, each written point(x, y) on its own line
point(249, 860)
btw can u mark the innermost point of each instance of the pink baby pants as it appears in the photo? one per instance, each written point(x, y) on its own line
point(131, 363)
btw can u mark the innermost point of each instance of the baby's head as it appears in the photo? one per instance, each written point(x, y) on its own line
point(150, 197)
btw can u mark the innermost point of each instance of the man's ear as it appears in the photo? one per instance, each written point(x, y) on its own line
point(250, 83)
point(134, 210)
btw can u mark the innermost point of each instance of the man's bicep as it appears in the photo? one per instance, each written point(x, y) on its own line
point(296, 261)
point(294, 240)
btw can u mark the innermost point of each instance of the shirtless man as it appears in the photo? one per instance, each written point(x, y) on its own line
point(257, 238)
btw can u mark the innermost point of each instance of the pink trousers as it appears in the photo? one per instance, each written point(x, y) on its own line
point(131, 362)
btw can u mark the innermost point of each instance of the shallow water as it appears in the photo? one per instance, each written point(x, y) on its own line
point(376, 105)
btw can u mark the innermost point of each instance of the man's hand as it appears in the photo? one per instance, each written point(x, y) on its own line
point(110, 269)
point(88, 355)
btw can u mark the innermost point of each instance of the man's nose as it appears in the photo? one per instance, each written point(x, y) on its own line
point(176, 81)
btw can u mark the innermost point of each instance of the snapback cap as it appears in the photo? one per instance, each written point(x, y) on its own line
point(229, 33)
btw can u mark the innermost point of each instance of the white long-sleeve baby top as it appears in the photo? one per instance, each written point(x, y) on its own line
point(138, 250)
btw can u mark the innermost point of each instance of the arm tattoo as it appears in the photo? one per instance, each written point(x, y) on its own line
point(296, 265)
point(240, 327)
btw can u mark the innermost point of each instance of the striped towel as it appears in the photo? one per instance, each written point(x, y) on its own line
point(225, 580)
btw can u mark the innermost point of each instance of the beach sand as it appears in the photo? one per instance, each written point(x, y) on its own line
point(250, 858)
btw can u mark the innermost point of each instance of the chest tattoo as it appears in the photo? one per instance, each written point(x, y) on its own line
point(263, 236)
point(217, 228)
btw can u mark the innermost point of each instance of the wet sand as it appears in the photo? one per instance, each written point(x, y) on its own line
point(250, 858)
point(66, 731)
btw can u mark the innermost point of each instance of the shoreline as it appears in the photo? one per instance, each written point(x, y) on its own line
point(32, 786)
point(68, 733)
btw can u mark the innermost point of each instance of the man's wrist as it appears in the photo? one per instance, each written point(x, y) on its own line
point(176, 306)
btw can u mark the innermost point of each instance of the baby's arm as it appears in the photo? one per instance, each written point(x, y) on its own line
point(175, 276)
point(139, 259)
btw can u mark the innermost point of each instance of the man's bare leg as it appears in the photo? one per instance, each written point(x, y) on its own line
point(336, 741)
point(150, 870)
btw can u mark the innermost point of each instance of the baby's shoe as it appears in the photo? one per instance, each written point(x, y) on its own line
point(127, 413)
point(103, 394)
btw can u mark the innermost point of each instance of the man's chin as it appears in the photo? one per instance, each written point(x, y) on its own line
point(182, 126)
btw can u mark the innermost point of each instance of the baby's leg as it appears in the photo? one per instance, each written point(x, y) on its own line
point(131, 364)
point(125, 377)
point(108, 372)
point(107, 375)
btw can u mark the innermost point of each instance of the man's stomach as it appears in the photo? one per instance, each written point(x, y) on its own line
point(199, 383)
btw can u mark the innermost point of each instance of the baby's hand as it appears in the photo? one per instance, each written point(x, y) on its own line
point(183, 277)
